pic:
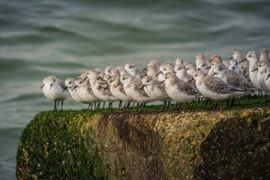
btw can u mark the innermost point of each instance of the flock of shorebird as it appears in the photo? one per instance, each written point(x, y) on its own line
point(181, 82)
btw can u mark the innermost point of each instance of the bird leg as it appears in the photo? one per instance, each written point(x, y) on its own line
point(206, 103)
point(104, 103)
point(215, 105)
point(164, 105)
point(142, 107)
point(120, 104)
point(55, 109)
point(62, 104)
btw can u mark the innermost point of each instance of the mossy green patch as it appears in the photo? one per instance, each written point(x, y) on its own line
point(190, 144)
point(53, 146)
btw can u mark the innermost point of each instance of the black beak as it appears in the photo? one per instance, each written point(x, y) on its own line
point(268, 75)
point(74, 87)
point(199, 69)
point(158, 73)
point(143, 86)
point(214, 74)
point(256, 69)
point(42, 85)
point(231, 58)
point(233, 68)
point(51, 86)
point(161, 82)
point(84, 79)
point(242, 60)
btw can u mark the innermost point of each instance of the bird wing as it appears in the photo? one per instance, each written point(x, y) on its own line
point(217, 85)
point(120, 86)
point(186, 87)
point(161, 86)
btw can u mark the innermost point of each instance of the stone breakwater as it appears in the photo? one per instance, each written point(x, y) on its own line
point(231, 144)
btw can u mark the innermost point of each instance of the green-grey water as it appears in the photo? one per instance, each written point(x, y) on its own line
point(64, 37)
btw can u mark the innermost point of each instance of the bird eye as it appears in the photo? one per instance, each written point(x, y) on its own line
point(203, 65)
point(179, 68)
point(187, 68)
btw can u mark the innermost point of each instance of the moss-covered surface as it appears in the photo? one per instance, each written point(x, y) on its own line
point(229, 144)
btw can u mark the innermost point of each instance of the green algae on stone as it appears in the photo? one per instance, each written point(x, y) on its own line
point(230, 144)
point(53, 147)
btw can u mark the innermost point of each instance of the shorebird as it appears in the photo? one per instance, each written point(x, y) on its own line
point(155, 63)
point(153, 71)
point(181, 73)
point(214, 88)
point(232, 79)
point(117, 88)
point(267, 79)
point(72, 89)
point(100, 88)
point(243, 63)
point(261, 74)
point(86, 93)
point(132, 70)
point(253, 68)
point(234, 66)
point(264, 56)
point(54, 89)
point(201, 63)
point(178, 90)
point(190, 69)
point(179, 62)
point(155, 90)
point(134, 90)
point(215, 59)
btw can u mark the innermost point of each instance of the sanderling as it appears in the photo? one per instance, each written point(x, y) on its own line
point(262, 67)
point(117, 88)
point(190, 69)
point(234, 66)
point(264, 55)
point(100, 88)
point(179, 62)
point(201, 63)
point(155, 63)
point(243, 63)
point(267, 79)
point(232, 79)
point(178, 90)
point(213, 87)
point(253, 68)
point(72, 89)
point(181, 73)
point(132, 70)
point(134, 90)
point(154, 89)
point(86, 93)
point(166, 67)
point(215, 59)
point(153, 71)
point(55, 90)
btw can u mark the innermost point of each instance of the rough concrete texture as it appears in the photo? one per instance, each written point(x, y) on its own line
point(230, 144)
